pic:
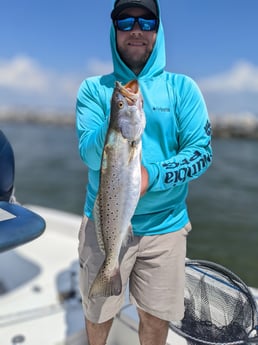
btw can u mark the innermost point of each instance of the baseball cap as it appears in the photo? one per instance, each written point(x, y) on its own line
point(120, 5)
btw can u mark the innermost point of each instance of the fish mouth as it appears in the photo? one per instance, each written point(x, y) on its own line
point(130, 91)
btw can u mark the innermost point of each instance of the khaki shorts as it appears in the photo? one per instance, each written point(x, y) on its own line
point(153, 266)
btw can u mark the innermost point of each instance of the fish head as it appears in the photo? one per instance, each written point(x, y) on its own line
point(127, 114)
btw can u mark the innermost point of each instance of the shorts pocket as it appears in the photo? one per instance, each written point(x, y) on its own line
point(82, 235)
point(84, 281)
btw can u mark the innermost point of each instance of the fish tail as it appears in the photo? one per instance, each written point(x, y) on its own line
point(106, 286)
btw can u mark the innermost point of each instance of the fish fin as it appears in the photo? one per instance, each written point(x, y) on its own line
point(131, 154)
point(98, 226)
point(104, 286)
point(129, 236)
point(104, 162)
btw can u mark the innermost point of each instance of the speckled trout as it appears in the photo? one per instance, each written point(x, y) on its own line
point(120, 183)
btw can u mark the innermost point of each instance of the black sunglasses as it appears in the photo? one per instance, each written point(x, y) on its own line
point(127, 24)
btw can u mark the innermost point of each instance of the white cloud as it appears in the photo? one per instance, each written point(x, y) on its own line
point(242, 77)
point(98, 67)
point(235, 90)
point(22, 74)
point(23, 81)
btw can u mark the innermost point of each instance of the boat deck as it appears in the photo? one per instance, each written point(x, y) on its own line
point(39, 297)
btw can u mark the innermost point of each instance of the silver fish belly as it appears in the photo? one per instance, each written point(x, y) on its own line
point(120, 183)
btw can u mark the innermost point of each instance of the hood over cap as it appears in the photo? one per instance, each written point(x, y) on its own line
point(120, 5)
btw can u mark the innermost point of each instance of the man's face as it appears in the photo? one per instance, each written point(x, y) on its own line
point(135, 46)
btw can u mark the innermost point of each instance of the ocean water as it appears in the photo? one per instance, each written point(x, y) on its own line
point(222, 203)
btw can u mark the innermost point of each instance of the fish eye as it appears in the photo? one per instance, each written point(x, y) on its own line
point(120, 104)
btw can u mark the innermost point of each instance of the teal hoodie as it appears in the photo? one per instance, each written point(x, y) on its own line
point(176, 144)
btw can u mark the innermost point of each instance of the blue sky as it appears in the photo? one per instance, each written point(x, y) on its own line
point(48, 47)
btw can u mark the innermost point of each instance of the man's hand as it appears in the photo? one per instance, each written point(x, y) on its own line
point(145, 180)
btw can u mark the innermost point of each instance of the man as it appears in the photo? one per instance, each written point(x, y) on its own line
point(176, 149)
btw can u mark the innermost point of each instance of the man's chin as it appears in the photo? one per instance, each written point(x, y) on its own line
point(136, 58)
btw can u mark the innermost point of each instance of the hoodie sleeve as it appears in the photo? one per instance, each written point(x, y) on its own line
point(91, 124)
point(194, 137)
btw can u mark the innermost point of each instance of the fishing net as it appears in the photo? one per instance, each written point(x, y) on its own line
point(219, 307)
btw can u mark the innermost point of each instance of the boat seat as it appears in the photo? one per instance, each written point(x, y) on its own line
point(18, 225)
point(7, 168)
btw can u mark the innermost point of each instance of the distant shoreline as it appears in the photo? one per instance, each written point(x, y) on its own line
point(46, 118)
point(226, 126)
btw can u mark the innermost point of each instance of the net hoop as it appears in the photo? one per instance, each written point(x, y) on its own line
point(222, 277)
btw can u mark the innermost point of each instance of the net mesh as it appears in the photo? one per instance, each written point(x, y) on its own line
point(219, 307)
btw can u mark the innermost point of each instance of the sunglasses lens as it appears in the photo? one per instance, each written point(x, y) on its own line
point(147, 24)
point(127, 24)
